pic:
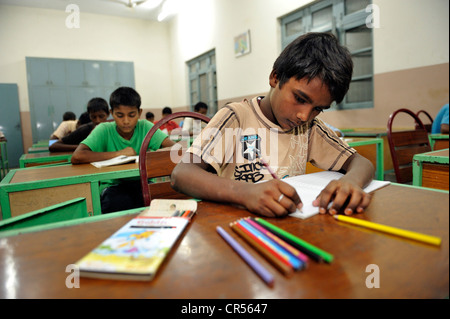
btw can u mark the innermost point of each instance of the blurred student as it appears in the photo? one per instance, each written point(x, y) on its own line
point(440, 123)
point(169, 126)
point(150, 116)
point(188, 123)
point(67, 126)
point(97, 112)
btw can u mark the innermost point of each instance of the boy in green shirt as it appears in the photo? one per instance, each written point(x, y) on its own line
point(124, 136)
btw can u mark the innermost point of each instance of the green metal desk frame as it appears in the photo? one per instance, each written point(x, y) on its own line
point(379, 173)
point(23, 160)
point(428, 157)
point(434, 137)
point(95, 181)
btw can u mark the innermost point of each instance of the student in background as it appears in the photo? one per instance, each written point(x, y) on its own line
point(97, 112)
point(68, 125)
point(188, 123)
point(124, 136)
point(84, 119)
point(150, 116)
point(169, 126)
point(311, 73)
point(440, 123)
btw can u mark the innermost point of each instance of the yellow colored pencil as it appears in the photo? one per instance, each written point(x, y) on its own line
point(390, 230)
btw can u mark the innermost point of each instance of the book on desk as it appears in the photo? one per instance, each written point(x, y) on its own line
point(137, 250)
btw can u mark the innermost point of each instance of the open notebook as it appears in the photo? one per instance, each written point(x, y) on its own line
point(122, 159)
point(309, 186)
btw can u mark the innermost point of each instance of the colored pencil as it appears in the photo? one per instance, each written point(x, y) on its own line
point(185, 213)
point(312, 255)
point(282, 266)
point(433, 240)
point(292, 250)
point(295, 262)
point(308, 247)
point(249, 259)
point(268, 168)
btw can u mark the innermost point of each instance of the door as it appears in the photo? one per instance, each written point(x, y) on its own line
point(10, 122)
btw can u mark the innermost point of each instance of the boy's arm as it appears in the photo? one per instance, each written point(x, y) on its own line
point(61, 147)
point(83, 154)
point(347, 193)
point(191, 176)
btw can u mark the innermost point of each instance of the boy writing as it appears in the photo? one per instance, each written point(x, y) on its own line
point(311, 73)
point(98, 111)
point(124, 136)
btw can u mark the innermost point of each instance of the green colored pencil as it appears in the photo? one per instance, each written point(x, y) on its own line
point(326, 256)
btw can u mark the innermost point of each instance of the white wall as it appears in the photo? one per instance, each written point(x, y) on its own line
point(412, 33)
point(42, 33)
point(206, 25)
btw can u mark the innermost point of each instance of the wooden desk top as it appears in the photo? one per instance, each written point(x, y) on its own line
point(45, 154)
point(439, 155)
point(46, 173)
point(202, 265)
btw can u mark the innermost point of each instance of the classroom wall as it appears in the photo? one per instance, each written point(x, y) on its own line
point(411, 58)
point(43, 33)
point(410, 53)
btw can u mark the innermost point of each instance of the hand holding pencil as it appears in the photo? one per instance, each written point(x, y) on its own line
point(273, 198)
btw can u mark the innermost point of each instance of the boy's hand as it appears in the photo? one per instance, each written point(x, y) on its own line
point(271, 199)
point(129, 151)
point(344, 195)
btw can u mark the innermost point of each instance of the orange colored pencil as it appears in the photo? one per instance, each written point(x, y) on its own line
point(279, 262)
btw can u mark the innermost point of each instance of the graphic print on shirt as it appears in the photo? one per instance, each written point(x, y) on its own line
point(251, 150)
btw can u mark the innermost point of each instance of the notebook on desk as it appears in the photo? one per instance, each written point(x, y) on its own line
point(309, 186)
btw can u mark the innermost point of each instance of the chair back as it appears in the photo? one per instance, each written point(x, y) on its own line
point(405, 144)
point(158, 165)
point(428, 125)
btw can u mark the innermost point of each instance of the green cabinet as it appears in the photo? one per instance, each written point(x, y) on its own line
point(59, 85)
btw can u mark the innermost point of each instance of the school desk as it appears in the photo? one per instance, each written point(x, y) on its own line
point(203, 265)
point(42, 149)
point(438, 141)
point(431, 169)
point(375, 133)
point(371, 148)
point(28, 189)
point(44, 158)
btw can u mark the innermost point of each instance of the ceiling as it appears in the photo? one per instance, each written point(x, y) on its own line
point(106, 7)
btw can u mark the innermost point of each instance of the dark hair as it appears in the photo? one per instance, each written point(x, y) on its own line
point(167, 110)
point(149, 115)
point(200, 105)
point(97, 104)
point(125, 96)
point(316, 55)
point(69, 116)
point(84, 119)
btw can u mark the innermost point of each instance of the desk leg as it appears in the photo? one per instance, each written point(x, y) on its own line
point(96, 205)
point(380, 160)
point(417, 173)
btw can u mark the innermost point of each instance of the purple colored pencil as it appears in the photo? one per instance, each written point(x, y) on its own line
point(249, 259)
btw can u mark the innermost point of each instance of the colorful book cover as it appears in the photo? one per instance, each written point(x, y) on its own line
point(135, 251)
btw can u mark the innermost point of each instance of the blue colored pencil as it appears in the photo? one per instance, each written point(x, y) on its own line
point(249, 259)
point(296, 263)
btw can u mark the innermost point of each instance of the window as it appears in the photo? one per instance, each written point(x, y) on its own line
point(202, 81)
point(346, 19)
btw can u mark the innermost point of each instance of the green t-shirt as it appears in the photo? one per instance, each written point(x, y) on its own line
point(105, 138)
